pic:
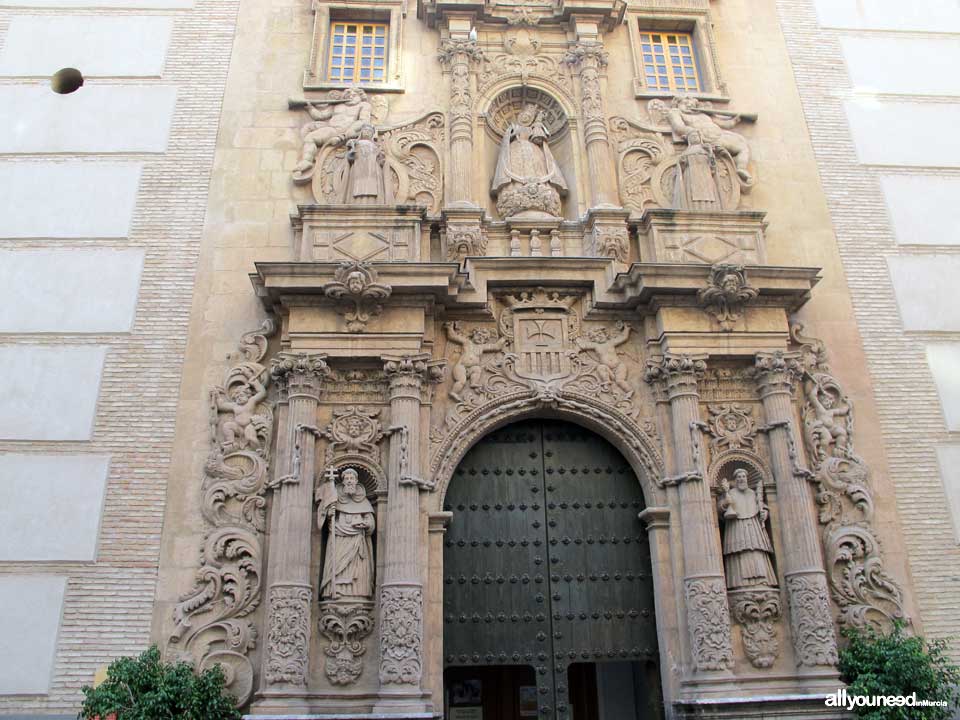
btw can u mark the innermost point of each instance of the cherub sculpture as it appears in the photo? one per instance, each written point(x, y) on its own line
point(610, 368)
point(469, 367)
point(826, 417)
point(245, 428)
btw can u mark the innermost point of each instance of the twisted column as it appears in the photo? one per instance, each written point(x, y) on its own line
point(708, 616)
point(401, 591)
point(456, 55)
point(811, 621)
point(285, 663)
point(589, 58)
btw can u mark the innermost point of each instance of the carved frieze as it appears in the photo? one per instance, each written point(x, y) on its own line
point(213, 622)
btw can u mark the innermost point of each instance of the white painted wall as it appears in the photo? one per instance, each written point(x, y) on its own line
point(949, 456)
point(98, 46)
point(125, 4)
point(928, 291)
point(944, 360)
point(30, 608)
point(905, 133)
point(67, 199)
point(50, 506)
point(69, 291)
point(49, 392)
point(925, 209)
point(94, 119)
point(912, 66)
point(941, 16)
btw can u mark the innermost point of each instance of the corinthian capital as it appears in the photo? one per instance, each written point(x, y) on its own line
point(678, 373)
point(777, 372)
point(300, 373)
point(586, 54)
point(411, 371)
point(453, 49)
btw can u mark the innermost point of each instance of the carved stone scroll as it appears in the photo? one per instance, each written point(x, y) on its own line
point(358, 293)
point(213, 622)
point(866, 595)
point(757, 612)
point(726, 294)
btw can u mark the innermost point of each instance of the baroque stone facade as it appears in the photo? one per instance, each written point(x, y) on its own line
point(512, 226)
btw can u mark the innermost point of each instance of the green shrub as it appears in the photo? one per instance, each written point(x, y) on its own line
point(899, 664)
point(146, 688)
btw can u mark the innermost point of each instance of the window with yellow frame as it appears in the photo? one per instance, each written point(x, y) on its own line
point(669, 62)
point(358, 52)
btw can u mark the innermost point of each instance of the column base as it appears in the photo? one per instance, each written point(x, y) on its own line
point(782, 707)
point(347, 716)
point(403, 704)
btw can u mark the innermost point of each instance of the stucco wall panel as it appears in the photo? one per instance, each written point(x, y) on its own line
point(30, 607)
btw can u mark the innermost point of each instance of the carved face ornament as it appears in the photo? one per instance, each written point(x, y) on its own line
point(481, 336)
point(355, 282)
point(598, 336)
point(730, 283)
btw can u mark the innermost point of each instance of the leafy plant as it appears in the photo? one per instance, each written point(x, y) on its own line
point(899, 664)
point(146, 688)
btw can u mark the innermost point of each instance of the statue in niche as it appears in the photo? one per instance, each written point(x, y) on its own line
point(611, 369)
point(695, 187)
point(348, 567)
point(527, 182)
point(688, 115)
point(364, 174)
point(747, 550)
point(336, 120)
point(469, 369)
point(245, 429)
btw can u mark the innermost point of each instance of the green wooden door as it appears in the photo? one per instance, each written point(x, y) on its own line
point(546, 563)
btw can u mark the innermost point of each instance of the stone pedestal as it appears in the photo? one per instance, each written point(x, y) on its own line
point(679, 236)
point(361, 233)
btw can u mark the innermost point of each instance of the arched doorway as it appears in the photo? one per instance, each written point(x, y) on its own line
point(548, 594)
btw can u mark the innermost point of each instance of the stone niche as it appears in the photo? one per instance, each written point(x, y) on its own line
point(342, 233)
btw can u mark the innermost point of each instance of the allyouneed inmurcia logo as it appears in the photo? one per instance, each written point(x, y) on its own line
point(843, 699)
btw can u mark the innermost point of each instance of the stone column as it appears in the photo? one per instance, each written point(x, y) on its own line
point(811, 620)
point(457, 54)
point(289, 597)
point(401, 591)
point(705, 592)
point(589, 57)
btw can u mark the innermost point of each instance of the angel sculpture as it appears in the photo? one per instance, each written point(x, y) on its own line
point(827, 418)
point(610, 368)
point(469, 369)
point(355, 285)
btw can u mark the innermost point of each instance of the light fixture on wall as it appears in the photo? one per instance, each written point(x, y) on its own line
point(66, 81)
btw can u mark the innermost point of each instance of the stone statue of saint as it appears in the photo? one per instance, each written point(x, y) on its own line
point(348, 568)
point(364, 177)
point(527, 182)
point(747, 550)
point(695, 187)
point(334, 122)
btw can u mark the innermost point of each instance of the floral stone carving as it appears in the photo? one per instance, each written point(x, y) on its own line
point(358, 293)
point(213, 623)
point(811, 620)
point(354, 430)
point(288, 634)
point(709, 619)
point(345, 625)
point(757, 612)
point(401, 634)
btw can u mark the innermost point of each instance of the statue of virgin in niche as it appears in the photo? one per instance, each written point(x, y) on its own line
point(527, 182)
point(348, 569)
